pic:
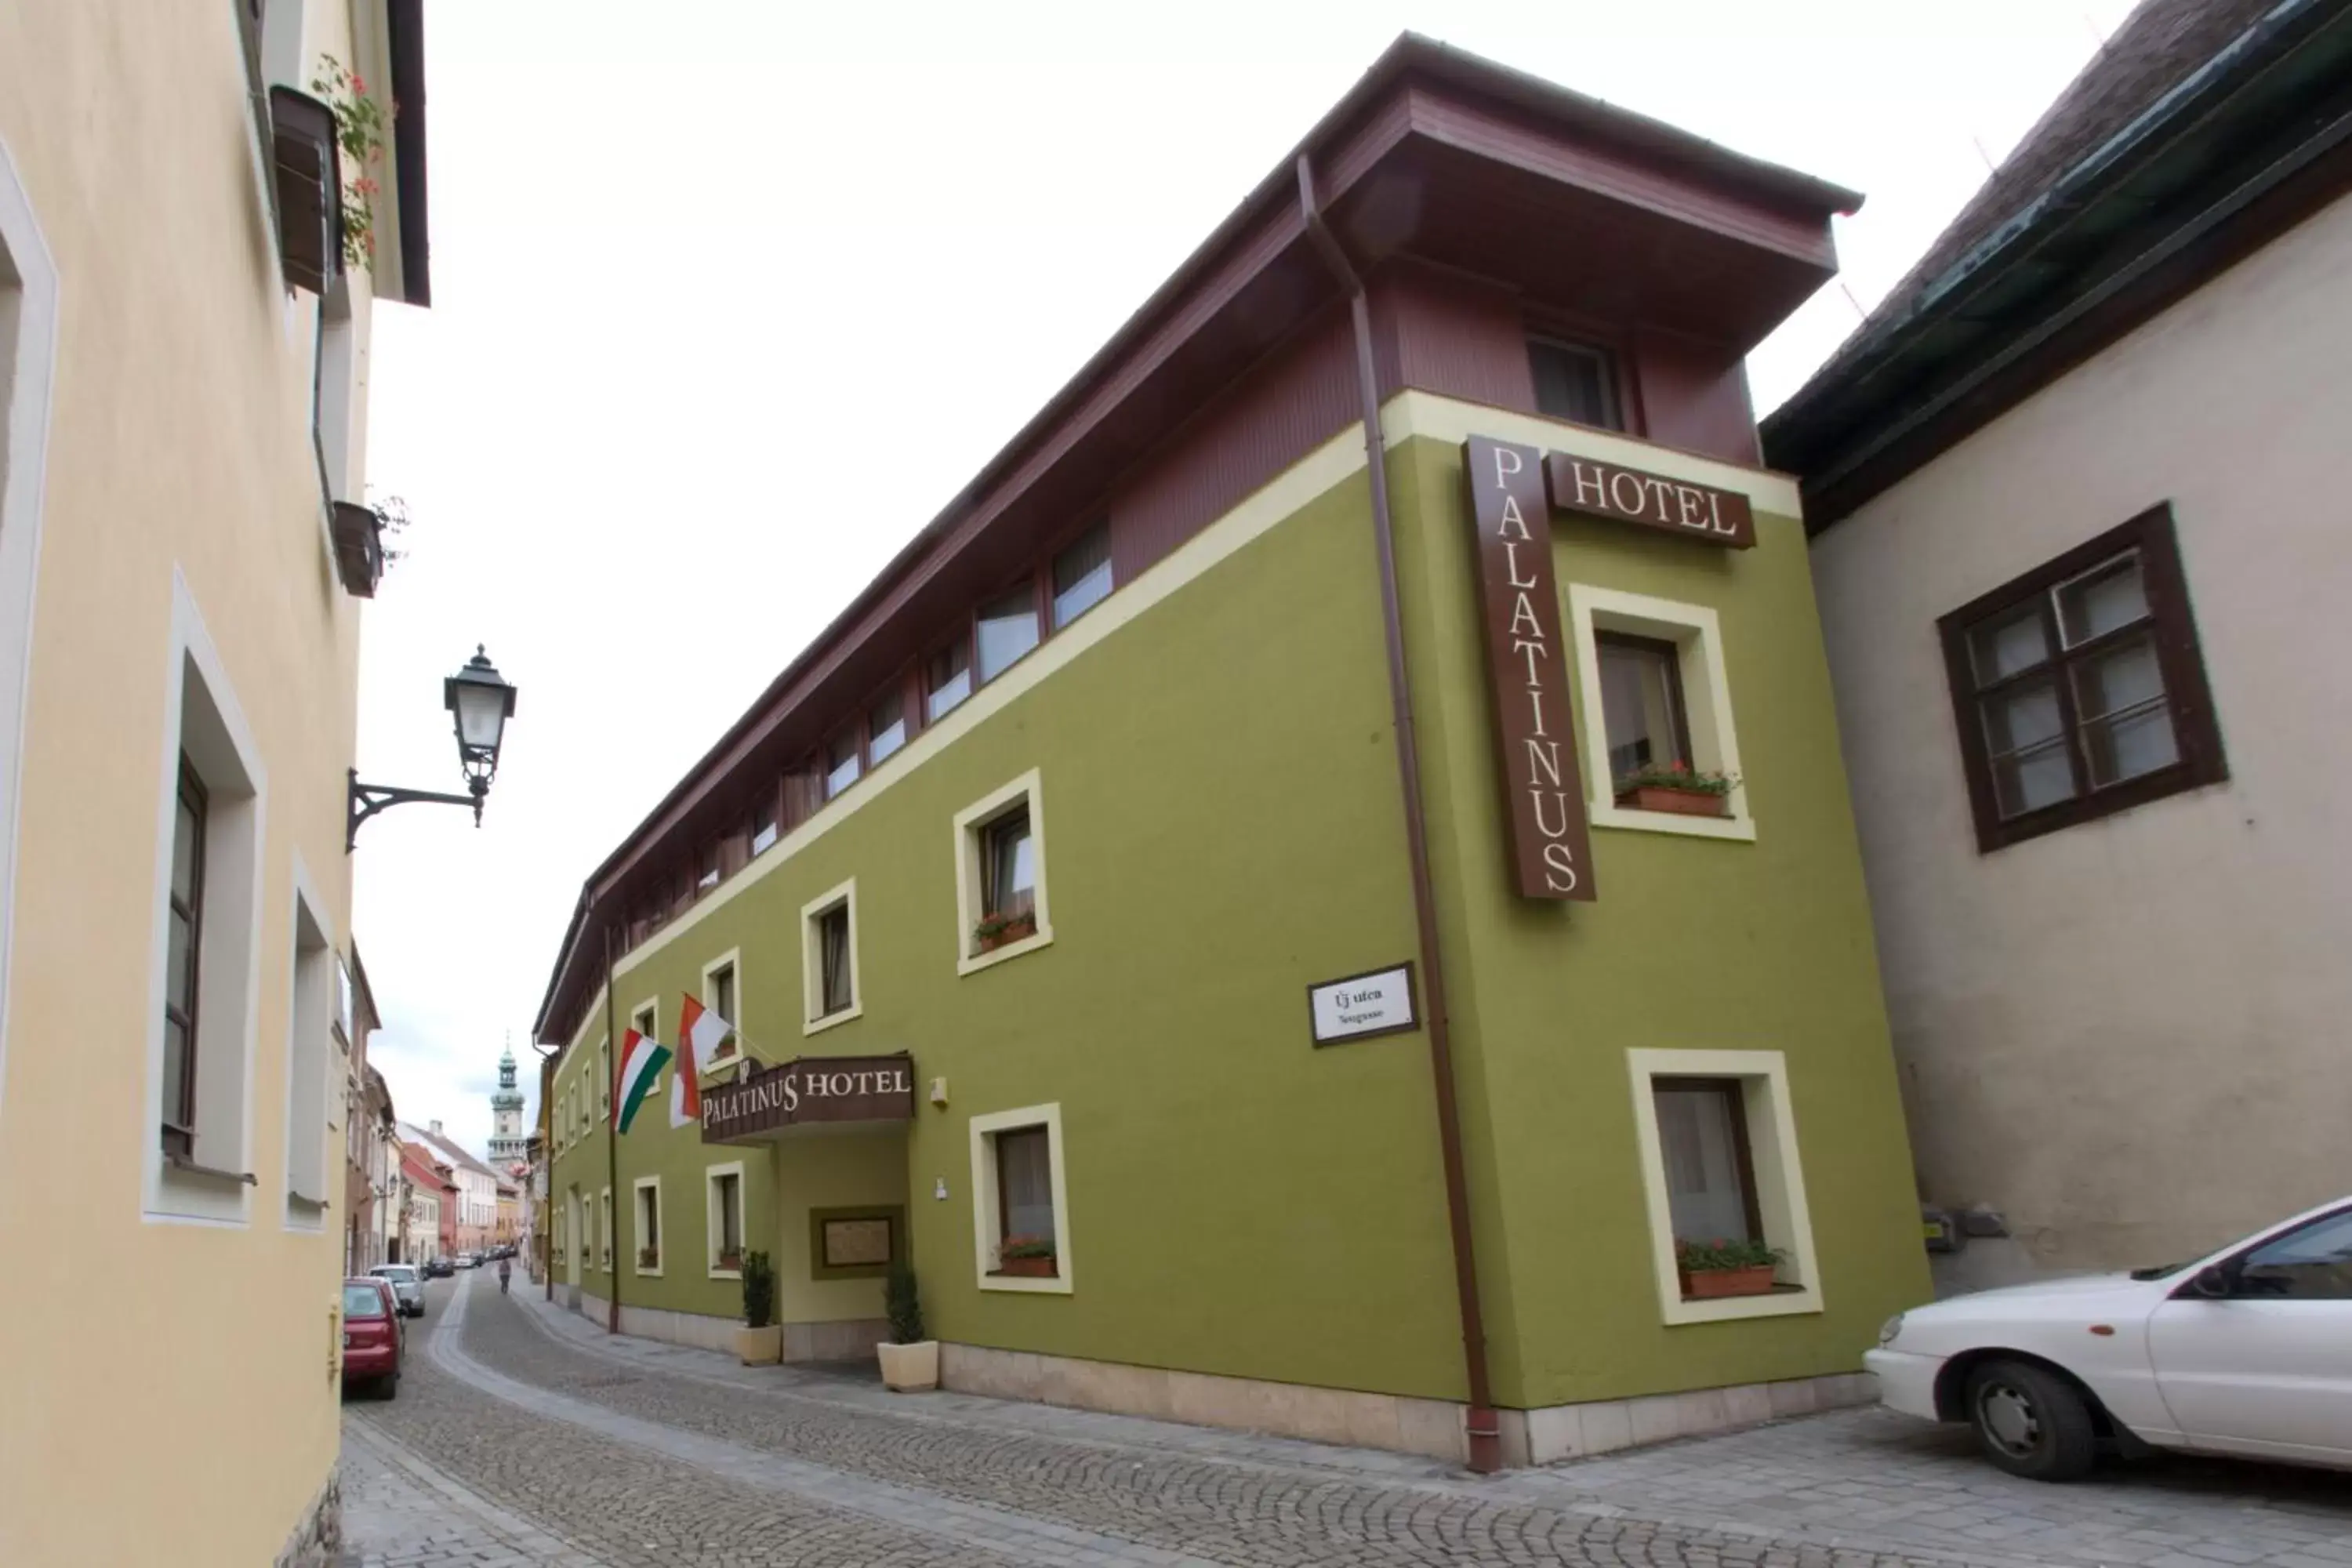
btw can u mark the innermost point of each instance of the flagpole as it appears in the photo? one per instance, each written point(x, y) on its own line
point(612, 1145)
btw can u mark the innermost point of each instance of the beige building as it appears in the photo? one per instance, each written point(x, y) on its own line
point(2078, 491)
point(182, 405)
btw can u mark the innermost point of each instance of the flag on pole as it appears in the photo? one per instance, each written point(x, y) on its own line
point(685, 1093)
point(641, 1065)
point(703, 1031)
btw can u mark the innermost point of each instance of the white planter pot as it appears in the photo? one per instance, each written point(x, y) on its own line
point(760, 1347)
point(910, 1369)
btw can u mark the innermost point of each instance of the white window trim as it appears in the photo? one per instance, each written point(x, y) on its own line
point(711, 1227)
point(813, 961)
point(23, 450)
point(968, 824)
point(661, 1226)
point(1697, 637)
point(985, 1237)
point(1779, 1173)
point(197, 1200)
point(604, 1230)
point(306, 1212)
point(732, 1051)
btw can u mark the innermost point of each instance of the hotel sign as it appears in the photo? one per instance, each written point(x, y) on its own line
point(1527, 671)
point(1653, 501)
point(811, 1089)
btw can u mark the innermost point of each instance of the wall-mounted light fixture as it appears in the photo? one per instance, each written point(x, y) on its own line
point(479, 703)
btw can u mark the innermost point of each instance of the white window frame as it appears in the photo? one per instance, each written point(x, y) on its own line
point(987, 1235)
point(731, 1051)
point(1697, 637)
point(813, 961)
point(24, 388)
point(204, 719)
point(1778, 1172)
point(637, 1190)
point(310, 1027)
point(604, 1229)
point(711, 1227)
point(968, 823)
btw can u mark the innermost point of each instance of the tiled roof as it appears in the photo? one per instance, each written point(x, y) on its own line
point(454, 1152)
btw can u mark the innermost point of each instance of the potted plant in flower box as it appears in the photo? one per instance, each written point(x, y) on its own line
point(1029, 1256)
point(649, 1257)
point(761, 1340)
point(1713, 1269)
point(995, 930)
point(732, 1261)
point(1677, 788)
point(910, 1362)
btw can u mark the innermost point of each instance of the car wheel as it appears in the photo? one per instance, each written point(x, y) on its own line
point(2032, 1422)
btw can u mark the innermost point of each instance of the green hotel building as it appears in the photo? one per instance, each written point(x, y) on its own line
point(1293, 900)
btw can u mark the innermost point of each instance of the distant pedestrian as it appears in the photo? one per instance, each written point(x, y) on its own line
point(506, 1266)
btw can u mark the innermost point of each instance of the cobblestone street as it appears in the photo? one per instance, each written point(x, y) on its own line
point(522, 1435)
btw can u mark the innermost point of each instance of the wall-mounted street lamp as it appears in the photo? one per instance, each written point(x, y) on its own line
point(480, 704)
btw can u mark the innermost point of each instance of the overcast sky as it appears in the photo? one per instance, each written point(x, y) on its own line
point(690, 260)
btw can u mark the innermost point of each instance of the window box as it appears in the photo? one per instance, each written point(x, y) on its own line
point(1713, 1284)
point(1027, 1257)
point(1682, 802)
point(358, 534)
point(649, 1257)
point(730, 1260)
point(1000, 931)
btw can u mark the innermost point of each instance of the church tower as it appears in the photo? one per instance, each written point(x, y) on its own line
point(506, 1135)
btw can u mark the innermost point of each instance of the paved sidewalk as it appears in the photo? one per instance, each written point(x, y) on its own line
point(401, 1512)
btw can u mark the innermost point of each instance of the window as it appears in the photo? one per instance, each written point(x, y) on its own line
point(1001, 876)
point(885, 727)
point(764, 826)
point(723, 1218)
point(1718, 1142)
point(829, 958)
point(2079, 688)
point(1082, 576)
point(1021, 1232)
point(947, 682)
point(718, 995)
point(2312, 1264)
point(1574, 381)
point(1654, 670)
point(1642, 704)
point(604, 1077)
point(649, 1225)
point(187, 898)
point(841, 764)
point(705, 870)
point(1007, 629)
point(309, 1051)
point(604, 1228)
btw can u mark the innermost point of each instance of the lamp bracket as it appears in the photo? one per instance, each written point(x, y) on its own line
point(364, 800)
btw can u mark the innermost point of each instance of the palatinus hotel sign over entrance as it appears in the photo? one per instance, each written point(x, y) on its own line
point(811, 1089)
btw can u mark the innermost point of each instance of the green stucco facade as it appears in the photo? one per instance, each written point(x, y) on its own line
point(1222, 829)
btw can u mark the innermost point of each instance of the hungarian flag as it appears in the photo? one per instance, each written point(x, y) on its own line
point(703, 1031)
point(641, 1064)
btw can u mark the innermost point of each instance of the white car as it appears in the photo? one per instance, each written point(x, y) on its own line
point(2245, 1352)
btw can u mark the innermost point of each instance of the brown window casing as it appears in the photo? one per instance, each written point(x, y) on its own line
point(2187, 698)
point(179, 1128)
point(1743, 1157)
point(835, 991)
point(1008, 1144)
point(1671, 658)
point(998, 857)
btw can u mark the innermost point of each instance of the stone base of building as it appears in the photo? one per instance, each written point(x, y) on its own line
point(317, 1541)
point(849, 1339)
point(1433, 1428)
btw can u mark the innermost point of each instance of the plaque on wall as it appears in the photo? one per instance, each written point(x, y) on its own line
point(856, 1242)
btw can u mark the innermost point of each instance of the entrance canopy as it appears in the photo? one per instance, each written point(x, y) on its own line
point(810, 1091)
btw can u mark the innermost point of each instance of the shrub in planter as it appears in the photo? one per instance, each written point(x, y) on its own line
point(1031, 1256)
point(910, 1362)
point(1677, 788)
point(1710, 1269)
point(996, 931)
point(758, 1341)
point(649, 1257)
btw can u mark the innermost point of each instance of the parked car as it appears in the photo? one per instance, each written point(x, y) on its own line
point(373, 1336)
point(2245, 1352)
point(439, 1268)
point(407, 1286)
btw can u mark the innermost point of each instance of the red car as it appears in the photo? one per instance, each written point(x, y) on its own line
point(373, 1335)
